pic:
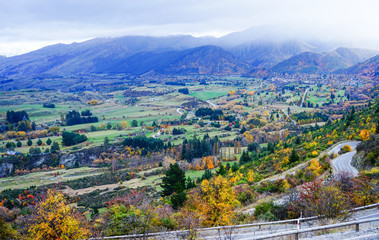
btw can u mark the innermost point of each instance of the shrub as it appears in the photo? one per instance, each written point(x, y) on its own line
point(34, 151)
point(70, 138)
point(10, 145)
point(49, 105)
point(264, 211)
point(346, 149)
point(183, 90)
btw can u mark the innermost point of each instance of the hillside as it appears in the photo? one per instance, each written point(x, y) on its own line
point(97, 55)
point(322, 63)
point(368, 68)
point(205, 60)
point(269, 53)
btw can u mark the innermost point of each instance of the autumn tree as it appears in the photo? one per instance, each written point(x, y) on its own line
point(6, 231)
point(314, 166)
point(131, 214)
point(124, 124)
point(346, 149)
point(250, 176)
point(364, 134)
point(55, 219)
point(320, 199)
point(220, 199)
point(364, 191)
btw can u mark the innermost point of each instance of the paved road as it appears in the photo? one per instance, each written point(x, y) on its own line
point(342, 163)
point(337, 148)
point(212, 104)
point(178, 110)
point(305, 94)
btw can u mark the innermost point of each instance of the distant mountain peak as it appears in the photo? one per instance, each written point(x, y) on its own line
point(323, 63)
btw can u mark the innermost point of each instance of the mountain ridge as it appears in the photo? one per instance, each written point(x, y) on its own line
point(255, 52)
point(324, 63)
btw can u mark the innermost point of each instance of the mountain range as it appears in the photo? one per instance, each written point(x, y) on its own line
point(251, 52)
point(323, 63)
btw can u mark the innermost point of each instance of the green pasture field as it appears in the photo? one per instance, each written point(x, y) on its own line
point(206, 95)
point(44, 178)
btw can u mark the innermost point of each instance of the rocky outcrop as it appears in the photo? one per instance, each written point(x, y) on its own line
point(84, 157)
point(360, 162)
point(5, 169)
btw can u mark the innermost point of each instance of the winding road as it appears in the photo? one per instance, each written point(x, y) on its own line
point(342, 163)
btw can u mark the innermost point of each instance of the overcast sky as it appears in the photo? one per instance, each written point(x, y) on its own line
point(30, 24)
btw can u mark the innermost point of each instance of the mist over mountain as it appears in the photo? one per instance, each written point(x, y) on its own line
point(368, 68)
point(323, 63)
point(254, 51)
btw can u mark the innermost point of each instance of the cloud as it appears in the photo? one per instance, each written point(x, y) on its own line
point(75, 20)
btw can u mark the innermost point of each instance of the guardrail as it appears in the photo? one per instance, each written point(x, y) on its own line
point(259, 225)
point(305, 230)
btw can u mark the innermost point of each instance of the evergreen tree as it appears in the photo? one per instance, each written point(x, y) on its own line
point(190, 183)
point(134, 123)
point(221, 170)
point(39, 142)
point(206, 175)
point(253, 147)
point(55, 147)
point(178, 199)
point(245, 158)
point(294, 157)
point(19, 144)
point(10, 145)
point(29, 143)
point(48, 141)
point(174, 184)
point(227, 167)
point(235, 167)
point(174, 180)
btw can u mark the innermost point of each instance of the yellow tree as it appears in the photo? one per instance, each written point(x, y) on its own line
point(55, 219)
point(368, 119)
point(346, 148)
point(364, 134)
point(210, 164)
point(124, 124)
point(285, 185)
point(250, 176)
point(198, 168)
point(315, 167)
point(221, 199)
